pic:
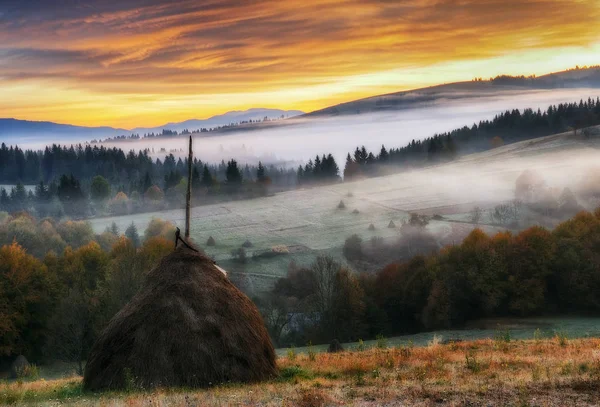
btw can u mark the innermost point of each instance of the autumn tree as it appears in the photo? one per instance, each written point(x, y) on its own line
point(27, 293)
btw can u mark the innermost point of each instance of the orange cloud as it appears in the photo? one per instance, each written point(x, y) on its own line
point(119, 62)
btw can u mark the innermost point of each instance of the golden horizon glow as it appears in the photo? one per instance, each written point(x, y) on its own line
point(139, 63)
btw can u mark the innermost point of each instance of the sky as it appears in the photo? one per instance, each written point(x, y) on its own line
point(130, 63)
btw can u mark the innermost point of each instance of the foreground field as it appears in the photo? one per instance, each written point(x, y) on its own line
point(549, 372)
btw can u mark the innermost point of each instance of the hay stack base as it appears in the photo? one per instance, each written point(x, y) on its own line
point(188, 326)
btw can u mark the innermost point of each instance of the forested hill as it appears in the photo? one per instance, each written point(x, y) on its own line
point(136, 174)
point(478, 87)
point(508, 127)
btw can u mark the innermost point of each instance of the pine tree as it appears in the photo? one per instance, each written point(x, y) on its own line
point(233, 174)
point(260, 173)
point(383, 155)
point(114, 229)
point(132, 234)
point(207, 179)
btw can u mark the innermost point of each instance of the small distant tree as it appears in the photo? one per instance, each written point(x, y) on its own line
point(132, 234)
point(154, 193)
point(501, 214)
point(233, 173)
point(71, 196)
point(114, 229)
point(207, 178)
point(353, 248)
point(476, 215)
point(261, 174)
point(158, 227)
point(119, 204)
point(99, 189)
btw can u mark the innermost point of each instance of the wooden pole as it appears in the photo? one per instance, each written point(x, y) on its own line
point(188, 198)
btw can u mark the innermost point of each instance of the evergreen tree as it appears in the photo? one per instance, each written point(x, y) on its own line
point(261, 173)
point(132, 234)
point(71, 196)
point(383, 155)
point(114, 229)
point(207, 179)
point(233, 174)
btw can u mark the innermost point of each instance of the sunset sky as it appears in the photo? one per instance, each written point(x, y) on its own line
point(134, 63)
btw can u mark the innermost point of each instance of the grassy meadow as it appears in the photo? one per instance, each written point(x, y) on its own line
point(553, 371)
point(307, 222)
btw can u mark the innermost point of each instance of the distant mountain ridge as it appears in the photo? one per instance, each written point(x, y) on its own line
point(14, 130)
point(233, 117)
point(573, 78)
point(11, 129)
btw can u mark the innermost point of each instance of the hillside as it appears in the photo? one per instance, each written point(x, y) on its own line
point(453, 92)
point(31, 131)
point(308, 222)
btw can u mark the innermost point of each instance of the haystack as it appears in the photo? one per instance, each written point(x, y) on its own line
point(341, 205)
point(211, 241)
point(247, 244)
point(371, 227)
point(188, 326)
point(356, 212)
point(391, 225)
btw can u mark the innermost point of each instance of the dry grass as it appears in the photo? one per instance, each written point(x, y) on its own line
point(486, 372)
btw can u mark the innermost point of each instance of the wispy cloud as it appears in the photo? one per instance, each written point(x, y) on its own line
point(222, 47)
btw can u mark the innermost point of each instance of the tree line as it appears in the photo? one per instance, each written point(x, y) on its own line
point(124, 183)
point(508, 127)
point(100, 189)
point(535, 272)
point(60, 283)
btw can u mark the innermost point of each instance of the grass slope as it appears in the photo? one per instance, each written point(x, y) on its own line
point(549, 372)
point(309, 222)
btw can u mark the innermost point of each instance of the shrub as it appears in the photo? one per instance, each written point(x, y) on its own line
point(382, 342)
point(471, 362)
point(562, 338)
point(312, 398)
point(353, 247)
point(312, 354)
point(293, 372)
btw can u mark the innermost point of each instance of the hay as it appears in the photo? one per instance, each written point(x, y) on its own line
point(371, 227)
point(341, 205)
point(211, 241)
point(391, 225)
point(247, 244)
point(335, 346)
point(188, 326)
point(356, 212)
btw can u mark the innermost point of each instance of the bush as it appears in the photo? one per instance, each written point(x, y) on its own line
point(382, 342)
point(312, 398)
point(154, 193)
point(353, 247)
